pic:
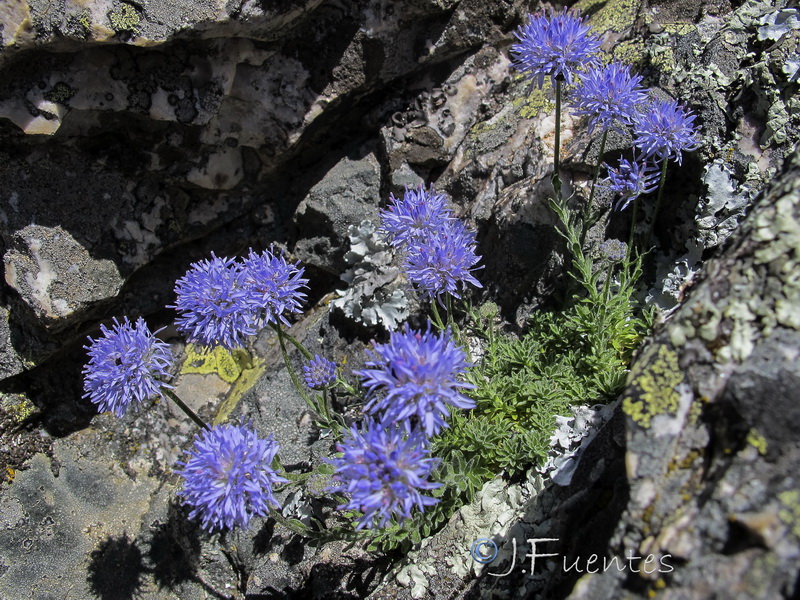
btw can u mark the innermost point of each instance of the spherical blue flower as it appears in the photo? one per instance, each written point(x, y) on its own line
point(664, 129)
point(228, 477)
point(384, 472)
point(630, 180)
point(319, 373)
point(413, 379)
point(443, 262)
point(614, 250)
point(414, 218)
point(127, 363)
point(608, 94)
point(212, 300)
point(556, 46)
point(273, 286)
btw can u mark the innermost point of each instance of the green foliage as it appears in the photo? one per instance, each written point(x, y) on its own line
point(577, 355)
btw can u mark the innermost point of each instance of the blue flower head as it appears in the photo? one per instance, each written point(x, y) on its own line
point(384, 471)
point(614, 250)
point(127, 363)
point(663, 129)
point(228, 477)
point(444, 262)
point(558, 46)
point(212, 302)
point(319, 373)
point(273, 286)
point(608, 94)
point(415, 217)
point(630, 180)
point(413, 380)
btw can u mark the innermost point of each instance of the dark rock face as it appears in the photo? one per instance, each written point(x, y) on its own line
point(694, 476)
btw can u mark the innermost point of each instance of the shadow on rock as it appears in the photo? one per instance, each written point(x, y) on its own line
point(116, 569)
point(175, 549)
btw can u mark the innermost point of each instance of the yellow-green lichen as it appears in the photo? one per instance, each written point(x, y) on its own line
point(684, 464)
point(653, 391)
point(679, 28)
point(247, 379)
point(695, 410)
point(84, 18)
point(17, 408)
point(125, 18)
point(630, 52)
point(789, 512)
point(757, 440)
point(60, 93)
point(536, 103)
point(610, 15)
point(227, 365)
point(662, 58)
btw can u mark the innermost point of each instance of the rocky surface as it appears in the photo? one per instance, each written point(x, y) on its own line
point(138, 137)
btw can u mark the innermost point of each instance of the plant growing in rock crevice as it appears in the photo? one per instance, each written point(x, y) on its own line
point(438, 423)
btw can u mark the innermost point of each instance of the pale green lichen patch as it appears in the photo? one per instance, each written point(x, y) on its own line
point(125, 18)
point(610, 15)
point(630, 52)
point(654, 390)
point(246, 380)
point(539, 101)
point(755, 439)
point(789, 512)
point(225, 364)
point(17, 408)
point(60, 93)
point(762, 287)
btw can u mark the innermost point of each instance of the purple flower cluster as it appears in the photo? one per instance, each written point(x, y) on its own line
point(412, 382)
point(222, 301)
point(558, 46)
point(228, 477)
point(630, 180)
point(128, 363)
point(608, 95)
point(273, 286)
point(663, 130)
point(212, 304)
point(444, 263)
point(383, 470)
point(413, 379)
point(319, 373)
point(412, 219)
point(439, 251)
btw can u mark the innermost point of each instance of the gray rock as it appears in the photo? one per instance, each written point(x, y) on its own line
point(53, 524)
point(346, 195)
point(693, 476)
point(11, 363)
point(55, 276)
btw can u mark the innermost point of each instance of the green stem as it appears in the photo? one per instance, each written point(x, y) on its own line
point(659, 197)
point(303, 350)
point(320, 410)
point(631, 240)
point(326, 407)
point(437, 319)
point(292, 375)
point(192, 415)
point(588, 208)
point(347, 387)
point(449, 306)
point(292, 525)
point(556, 152)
